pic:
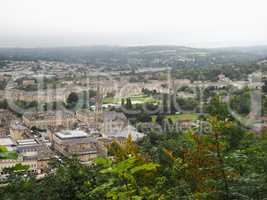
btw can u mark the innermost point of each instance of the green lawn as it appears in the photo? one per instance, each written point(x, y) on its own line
point(3, 149)
point(179, 117)
point(185, 116)
point(138, 99)
point(5, 154)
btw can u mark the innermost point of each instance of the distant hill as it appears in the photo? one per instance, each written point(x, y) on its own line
point(150, 56)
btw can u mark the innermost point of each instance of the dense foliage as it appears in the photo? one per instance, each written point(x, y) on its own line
point(227, 163)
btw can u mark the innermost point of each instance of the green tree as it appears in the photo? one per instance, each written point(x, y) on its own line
point(72, 100)
point(128, 104)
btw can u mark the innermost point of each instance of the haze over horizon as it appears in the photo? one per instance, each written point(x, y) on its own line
point(207, 23)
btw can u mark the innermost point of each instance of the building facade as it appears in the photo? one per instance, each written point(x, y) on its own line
point(75, 142)
point(50, 119)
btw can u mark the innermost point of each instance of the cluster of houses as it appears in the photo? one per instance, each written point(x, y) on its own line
point(41, 136)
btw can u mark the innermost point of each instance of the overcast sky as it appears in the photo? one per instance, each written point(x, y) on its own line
point(197, 23)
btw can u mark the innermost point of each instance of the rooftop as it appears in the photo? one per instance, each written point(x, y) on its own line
point(17, 125)
point(6, 142)
point(124, 133)
point(26, 142)
point(107, 116)
point(49, 114)
point(71, 134)
point(110, 116)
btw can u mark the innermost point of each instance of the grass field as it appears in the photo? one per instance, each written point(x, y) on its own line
point(138, 99)
point(5, 154)
point(179, 117)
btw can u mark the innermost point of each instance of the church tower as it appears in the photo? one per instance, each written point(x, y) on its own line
point(98, 102)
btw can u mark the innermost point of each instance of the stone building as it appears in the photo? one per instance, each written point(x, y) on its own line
point(75, 142)
point(103, 120)
point(50, 119)
point(17, 130)
point(29, 153)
